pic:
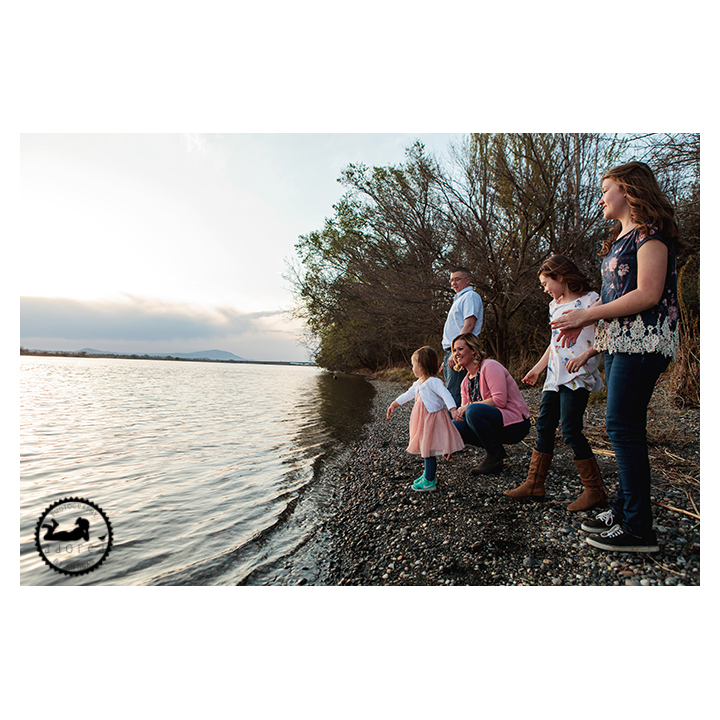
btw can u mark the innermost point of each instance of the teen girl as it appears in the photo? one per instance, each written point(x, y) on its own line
point(640, 312)
point(431, 430)
point(572, 374)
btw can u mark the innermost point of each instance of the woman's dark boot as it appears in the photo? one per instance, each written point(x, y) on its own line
point(595, 492)
point(534, 485)
point(490, 465)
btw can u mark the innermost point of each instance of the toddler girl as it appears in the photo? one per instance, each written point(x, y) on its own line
point(572, 374)
point(431, 430)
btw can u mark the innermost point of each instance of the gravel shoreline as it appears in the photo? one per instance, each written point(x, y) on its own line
point(469, 533)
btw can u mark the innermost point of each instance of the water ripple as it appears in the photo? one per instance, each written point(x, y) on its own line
point(199, 466)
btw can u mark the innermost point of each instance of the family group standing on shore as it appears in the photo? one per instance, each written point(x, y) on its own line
point(634, 322)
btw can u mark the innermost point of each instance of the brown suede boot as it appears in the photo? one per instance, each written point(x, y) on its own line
point(595, 492)
point(534, 485)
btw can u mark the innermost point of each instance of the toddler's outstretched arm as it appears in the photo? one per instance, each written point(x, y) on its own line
point(394, 405)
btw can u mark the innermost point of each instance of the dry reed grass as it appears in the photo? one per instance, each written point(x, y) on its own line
point(686, 369)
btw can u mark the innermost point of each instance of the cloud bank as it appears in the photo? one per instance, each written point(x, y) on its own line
point(141, 325)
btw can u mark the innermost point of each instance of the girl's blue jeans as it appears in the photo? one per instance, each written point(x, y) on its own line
point(483, 427)
point(564, 407)
point(630, 380)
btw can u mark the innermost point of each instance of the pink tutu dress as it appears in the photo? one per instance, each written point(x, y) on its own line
point(432, 431)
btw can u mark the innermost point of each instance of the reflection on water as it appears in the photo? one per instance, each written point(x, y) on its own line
point(207, 471)
point(344, 405)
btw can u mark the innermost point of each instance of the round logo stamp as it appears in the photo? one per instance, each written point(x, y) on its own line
point(73, 536)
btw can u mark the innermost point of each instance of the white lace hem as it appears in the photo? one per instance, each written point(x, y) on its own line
point(636, 337)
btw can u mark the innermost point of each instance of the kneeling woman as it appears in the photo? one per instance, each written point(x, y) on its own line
point(493, 411)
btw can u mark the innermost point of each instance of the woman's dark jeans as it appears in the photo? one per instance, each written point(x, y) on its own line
point(453, 378)
point(630, 380)
point(483, 426)
point(564, 407)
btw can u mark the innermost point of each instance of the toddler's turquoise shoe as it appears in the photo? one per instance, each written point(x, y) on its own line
point(422, 484)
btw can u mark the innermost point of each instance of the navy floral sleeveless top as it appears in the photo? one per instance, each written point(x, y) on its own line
point(651, 331)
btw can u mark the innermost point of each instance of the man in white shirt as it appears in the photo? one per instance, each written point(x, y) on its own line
point(466, 315)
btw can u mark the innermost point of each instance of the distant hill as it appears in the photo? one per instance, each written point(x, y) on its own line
point(93, 351)
point(202, 355)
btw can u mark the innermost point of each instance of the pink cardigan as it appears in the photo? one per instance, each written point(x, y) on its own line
point(497, 383)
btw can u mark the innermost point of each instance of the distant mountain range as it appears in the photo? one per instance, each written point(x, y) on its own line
point(202, 355)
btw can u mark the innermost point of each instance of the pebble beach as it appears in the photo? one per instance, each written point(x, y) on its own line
point(468, 532)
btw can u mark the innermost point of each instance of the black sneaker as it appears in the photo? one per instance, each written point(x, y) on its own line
point(600, 523)
point(617, 539)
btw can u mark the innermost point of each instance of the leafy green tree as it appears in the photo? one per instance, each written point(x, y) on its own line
point(367, 286)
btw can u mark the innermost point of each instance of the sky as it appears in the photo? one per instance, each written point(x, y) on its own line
point(161, 243)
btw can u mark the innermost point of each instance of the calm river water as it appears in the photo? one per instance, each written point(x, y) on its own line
point(208, 472)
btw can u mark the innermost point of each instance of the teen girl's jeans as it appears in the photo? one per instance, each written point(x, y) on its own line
point(483, 426)
point(630, 380)
point(564, 407)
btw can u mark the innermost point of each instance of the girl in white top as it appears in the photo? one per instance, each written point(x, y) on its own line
point(572, 374)
point(431, 430)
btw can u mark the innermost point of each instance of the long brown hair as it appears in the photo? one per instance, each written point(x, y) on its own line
point(559, 265)
point(649, 205)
